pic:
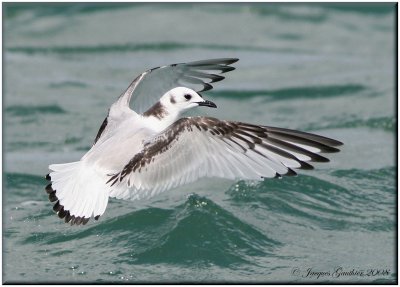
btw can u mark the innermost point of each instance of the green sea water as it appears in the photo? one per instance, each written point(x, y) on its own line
point(322, 68)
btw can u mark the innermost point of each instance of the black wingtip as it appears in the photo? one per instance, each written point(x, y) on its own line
point(218, 61)
point(97, 217)
point(305, 165)
point(216, 78)
point(226, 69)
point(333, 142)
point(234, 60)
point(318, 158)
point(48, 177)
point(291, 172)
point(206, 87)
point(329, 149)
point(228, 61)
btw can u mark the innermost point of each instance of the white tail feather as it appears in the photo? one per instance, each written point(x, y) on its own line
point(81, 192)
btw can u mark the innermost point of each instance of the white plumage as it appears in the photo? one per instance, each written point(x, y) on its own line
point(138, 155)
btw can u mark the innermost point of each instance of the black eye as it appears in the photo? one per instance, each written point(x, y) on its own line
point(188, 97)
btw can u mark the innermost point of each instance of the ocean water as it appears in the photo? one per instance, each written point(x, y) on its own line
point(322, 68)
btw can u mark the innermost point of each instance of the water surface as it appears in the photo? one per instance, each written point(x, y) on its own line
point(327, 69)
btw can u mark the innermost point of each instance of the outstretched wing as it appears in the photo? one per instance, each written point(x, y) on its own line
point(149, 86)
point(147, 89)
point(207, 147)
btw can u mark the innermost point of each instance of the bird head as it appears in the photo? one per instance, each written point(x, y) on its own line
point(181, 99)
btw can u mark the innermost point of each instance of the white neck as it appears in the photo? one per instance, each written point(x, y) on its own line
point(158, 118)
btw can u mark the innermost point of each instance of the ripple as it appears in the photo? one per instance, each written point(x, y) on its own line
point(24, 111)
point(344, 201)
point(315, 15)
point(196, 232)
point(128, 47)
point(206, 233)
point(381, 123)
point(294, 92)
point(20, 181)
point(67, 84)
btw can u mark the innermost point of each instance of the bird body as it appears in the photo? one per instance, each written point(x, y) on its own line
point(140, 154)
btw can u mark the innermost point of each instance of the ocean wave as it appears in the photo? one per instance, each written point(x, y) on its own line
point(22, 181)
point(200, 233)
point(196, 232)
point(307, 66)
point(21, 145)
point(339, 202)
point(129, 47)
point(65, 84)
point(293, 92)
point(25, 111)
point(382, 123)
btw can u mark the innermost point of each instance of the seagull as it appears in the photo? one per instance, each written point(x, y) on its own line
point(140, 153)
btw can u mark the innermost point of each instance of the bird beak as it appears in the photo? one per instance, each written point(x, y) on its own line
point(207, 104)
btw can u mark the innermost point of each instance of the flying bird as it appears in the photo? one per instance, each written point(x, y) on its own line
point(142, 152)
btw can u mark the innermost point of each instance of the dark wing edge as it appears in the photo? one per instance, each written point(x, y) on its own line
point(118, 108)
point(309, 136)
point(196, 72)
point(190, 73)
point(151, 149)
point(101, 130)
point(279, 141)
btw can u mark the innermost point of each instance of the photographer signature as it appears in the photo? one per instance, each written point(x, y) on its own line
point(339, 272)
